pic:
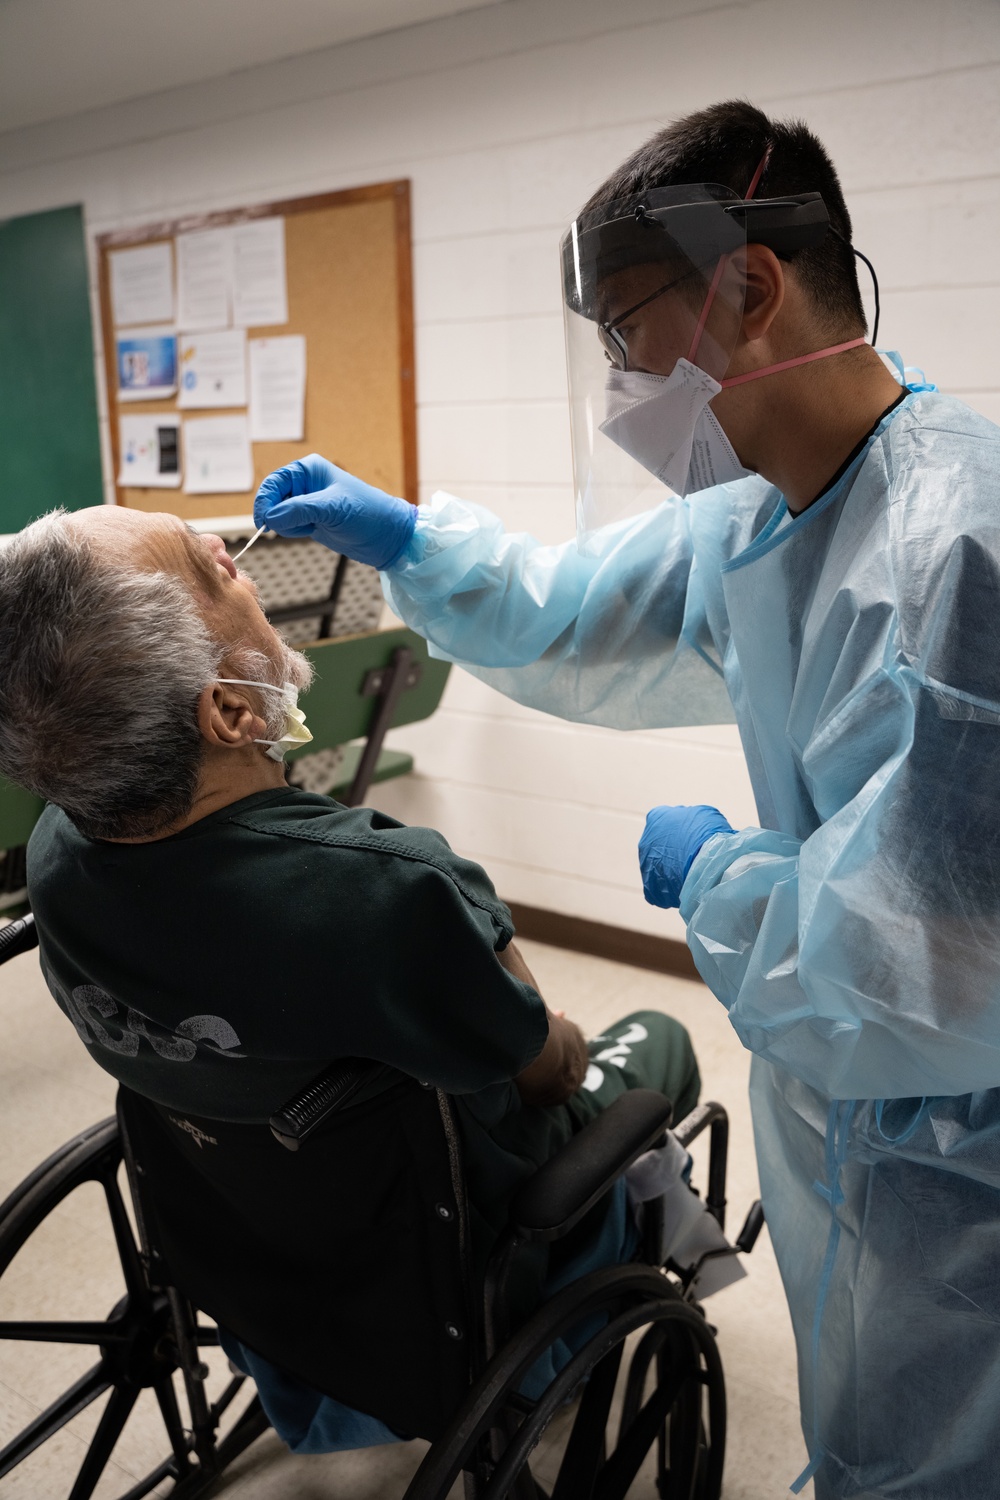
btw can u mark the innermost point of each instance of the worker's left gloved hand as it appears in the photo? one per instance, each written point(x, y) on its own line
point(670, 841)
point(312, 497)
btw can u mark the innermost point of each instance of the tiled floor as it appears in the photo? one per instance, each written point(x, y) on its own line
point(49, 1090)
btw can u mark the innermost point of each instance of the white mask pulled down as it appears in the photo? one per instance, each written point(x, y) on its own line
point(665, 423)
point(296, 732)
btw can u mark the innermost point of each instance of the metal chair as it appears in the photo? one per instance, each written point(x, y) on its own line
point(335, 1241)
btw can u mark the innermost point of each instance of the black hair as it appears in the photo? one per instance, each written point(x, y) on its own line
point(726, 143)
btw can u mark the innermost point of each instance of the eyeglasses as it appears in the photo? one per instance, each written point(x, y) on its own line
point(612, 341)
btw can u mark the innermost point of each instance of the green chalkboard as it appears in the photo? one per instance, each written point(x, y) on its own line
point(50, 451)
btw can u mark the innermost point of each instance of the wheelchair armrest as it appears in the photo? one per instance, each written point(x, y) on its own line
point(563, 1189)
point(18, 937)
point(296, 1120)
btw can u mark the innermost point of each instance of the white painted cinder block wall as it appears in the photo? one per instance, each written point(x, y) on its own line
point(505, 119)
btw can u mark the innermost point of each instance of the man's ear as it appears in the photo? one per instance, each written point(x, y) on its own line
point(225, 719)
point(765, 290)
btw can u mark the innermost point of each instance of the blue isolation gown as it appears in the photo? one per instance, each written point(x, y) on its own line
point(854, 937)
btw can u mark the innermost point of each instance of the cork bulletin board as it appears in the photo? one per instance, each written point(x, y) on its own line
point(349, 290)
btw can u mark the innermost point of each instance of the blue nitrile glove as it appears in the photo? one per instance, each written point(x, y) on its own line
point(312, 497)
point(669, 843)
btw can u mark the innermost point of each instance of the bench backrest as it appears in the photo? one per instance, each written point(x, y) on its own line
point(336, 707)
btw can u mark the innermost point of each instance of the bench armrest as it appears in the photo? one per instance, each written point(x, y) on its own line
point(569, 1184)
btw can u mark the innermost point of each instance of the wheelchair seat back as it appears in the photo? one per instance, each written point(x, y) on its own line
point(344, 1263)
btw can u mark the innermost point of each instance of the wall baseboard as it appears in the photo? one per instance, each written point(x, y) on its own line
point(641, 949)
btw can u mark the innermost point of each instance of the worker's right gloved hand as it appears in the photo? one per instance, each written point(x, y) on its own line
point(313, 498)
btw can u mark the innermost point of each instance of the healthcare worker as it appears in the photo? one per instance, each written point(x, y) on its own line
point(824, 564)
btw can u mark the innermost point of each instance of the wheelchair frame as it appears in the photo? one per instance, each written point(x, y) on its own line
point(154, 1332)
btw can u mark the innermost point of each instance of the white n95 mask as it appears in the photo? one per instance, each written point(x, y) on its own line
point(665, 423)
point(295, 732)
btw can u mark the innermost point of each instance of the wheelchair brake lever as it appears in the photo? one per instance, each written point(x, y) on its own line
point(752, 1226)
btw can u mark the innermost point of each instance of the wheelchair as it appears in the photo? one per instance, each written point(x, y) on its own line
point(337, 1242)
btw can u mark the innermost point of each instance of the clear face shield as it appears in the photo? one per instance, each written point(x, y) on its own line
point(653, 306)
point(653, 303)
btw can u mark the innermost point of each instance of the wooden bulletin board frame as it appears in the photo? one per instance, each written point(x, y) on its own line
point(350, 291)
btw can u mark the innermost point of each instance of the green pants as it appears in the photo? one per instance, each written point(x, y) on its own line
point(647, 1050)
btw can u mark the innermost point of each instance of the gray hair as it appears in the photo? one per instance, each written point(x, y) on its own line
point(101, 667)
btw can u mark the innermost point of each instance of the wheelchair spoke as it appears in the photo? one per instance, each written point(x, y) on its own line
point(79, 1396)
point(626, 1461)
point(638, 1369)
point(128, 1252)
point(228, 1395)
point(155, 1477)
point(115, 1415)
point(166, 1398)
point(585, 1448)
point(65, 1333)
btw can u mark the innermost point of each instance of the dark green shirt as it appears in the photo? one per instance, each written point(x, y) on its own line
point(220, 970)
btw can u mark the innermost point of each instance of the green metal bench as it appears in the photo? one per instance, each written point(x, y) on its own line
point(19, 812)
point(364, 686)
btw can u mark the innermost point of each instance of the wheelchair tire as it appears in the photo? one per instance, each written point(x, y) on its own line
point(496, 1430)
point(140, 1344)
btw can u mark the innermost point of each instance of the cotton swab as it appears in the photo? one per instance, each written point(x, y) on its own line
point(259, 532)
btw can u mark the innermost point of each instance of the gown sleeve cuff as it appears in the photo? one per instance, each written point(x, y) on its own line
point(449, 537)
point(726, 855)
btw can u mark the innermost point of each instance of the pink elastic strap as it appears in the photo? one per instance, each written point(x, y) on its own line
point(706, 308)
point(710, 296)
point(788, 364)
point(761, 169)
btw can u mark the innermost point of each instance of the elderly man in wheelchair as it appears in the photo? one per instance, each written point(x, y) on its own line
point(477, 1207)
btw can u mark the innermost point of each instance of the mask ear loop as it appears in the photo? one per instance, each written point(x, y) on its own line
point(269, 687)
point(724, 259)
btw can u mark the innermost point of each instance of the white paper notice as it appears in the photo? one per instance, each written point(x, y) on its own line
point(212, 368)
point(150, 452)
point(217, 457)
point(278, 389)
point(142, 284)
point(204, 276)
point(260, 293)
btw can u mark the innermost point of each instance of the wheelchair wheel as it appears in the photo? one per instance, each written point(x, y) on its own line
point(149, 1335)
point(496, 1431)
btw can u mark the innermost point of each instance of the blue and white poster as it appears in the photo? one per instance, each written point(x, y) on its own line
point(147, 364)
